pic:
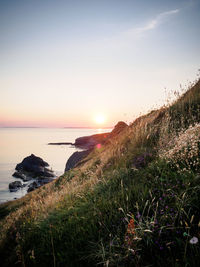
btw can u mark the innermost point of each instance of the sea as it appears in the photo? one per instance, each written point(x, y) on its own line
point(18, 143)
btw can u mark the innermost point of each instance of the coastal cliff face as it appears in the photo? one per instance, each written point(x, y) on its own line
point(88, 143)
point(75, 158)
point(133, 203)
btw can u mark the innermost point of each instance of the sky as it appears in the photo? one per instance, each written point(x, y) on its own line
point(67, 63)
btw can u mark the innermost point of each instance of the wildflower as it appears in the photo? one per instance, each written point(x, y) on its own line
point(185, 148)
point(131, 227)
point(130, 232)
point(194, 240)
point(138, 215)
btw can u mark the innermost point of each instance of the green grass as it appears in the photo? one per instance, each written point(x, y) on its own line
point(94, 230)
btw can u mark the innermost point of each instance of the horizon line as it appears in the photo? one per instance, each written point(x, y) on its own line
point(66, 127)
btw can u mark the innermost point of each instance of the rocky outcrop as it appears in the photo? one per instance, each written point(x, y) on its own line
point(32, 168)
point(90, 142)
point(14, 186)
point(60, 143)
point(38, 182)
point(75, 158)
point(33, 186)
point(22, 176)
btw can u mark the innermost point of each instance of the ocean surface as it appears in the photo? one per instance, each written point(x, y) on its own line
point(18, 143)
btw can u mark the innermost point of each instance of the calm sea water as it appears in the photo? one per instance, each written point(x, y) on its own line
point(18, 143)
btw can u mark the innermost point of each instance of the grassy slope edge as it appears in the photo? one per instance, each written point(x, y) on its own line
point(133, 203)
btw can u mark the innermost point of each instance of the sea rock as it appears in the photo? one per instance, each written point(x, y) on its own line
point(34, 166)
point(39, 182)
point(60, 143)
point(14, 186)
point(75, 158)
point(29, 163)
point(44, 180)
point(33, 186)
point(19, 175)
point(22, 176)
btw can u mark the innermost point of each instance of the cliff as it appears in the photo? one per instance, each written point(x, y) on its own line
point(88, 143)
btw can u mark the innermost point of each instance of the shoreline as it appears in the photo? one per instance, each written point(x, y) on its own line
point(24, 142)
point(5, 194)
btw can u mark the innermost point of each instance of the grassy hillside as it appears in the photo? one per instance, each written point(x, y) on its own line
point(134, 202)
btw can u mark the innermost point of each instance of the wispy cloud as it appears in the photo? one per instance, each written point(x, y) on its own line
point(129, 37)
point(152, 24)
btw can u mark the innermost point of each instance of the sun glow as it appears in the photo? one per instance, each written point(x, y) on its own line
point(99, 119)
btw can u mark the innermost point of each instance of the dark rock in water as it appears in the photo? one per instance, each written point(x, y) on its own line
point(59, 144)
point(39, 182)
point(75, 158)
point(30, 163)
point(33, 186)
point(34, 166)
point(44, 180)
point(14, 186)
point(47, 173)
point(22, 176)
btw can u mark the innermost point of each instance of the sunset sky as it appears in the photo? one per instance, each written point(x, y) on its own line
point(83, 62)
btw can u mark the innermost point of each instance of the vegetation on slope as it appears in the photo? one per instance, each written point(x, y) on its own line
point(135, 202)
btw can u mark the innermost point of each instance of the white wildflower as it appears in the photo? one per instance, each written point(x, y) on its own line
point(194, 240)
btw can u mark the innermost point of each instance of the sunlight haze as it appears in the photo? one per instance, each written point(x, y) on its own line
point(64, 61)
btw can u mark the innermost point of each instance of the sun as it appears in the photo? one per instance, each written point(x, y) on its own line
point(99, 119)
